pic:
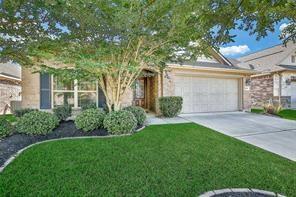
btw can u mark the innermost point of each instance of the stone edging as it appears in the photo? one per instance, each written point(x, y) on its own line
point(14, 156)
point(239, 190)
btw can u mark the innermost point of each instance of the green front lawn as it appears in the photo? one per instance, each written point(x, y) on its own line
point(288, 114)
point(257, 111)
point(10, 117)
point(167, 160)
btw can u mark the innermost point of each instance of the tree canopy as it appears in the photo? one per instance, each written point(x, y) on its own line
point(112, 41)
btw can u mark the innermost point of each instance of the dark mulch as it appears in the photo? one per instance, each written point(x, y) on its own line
point(12, 144)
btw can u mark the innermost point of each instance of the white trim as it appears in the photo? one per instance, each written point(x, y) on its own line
point(8, 77)
point(224, 58)
point(75, 91)
point(189, 67)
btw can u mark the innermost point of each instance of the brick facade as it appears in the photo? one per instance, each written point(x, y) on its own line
point(30, 89)
point(261, 90)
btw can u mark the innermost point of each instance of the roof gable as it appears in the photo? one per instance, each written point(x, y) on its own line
point(268, 59)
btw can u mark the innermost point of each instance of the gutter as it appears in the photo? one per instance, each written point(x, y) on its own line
point(189, 67)
point(11, 78)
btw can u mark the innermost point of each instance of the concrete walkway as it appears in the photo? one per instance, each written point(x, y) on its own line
point(270, 133)
point(153, 120)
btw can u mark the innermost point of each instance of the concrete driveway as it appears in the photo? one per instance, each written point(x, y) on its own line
point(270, 133)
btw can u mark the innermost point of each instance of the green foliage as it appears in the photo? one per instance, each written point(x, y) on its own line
point(114, 40)
point(89, 106)
point(170, 106)
point(21, 112)
point(120, 122)
point(138, 112)
point(90, 119)
point(5, 127)
point(36, 123)
point(9, 117)
point(63, 112)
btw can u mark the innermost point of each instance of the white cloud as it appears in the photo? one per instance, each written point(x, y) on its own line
point(283, 26)
point(235, 50)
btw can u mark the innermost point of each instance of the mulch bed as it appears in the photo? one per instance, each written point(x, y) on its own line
point(12, 144)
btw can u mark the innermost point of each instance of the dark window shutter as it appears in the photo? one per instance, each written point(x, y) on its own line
point(102, 98)
point(45, 91)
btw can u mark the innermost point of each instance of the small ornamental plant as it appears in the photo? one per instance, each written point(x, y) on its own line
point(120, 122)
point(90, 119)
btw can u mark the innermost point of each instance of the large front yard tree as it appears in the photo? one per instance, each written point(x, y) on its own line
point(112, 41)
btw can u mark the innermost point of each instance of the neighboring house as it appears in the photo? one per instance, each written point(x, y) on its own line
point(207, 85)
point(10, 85)
point(277, 78)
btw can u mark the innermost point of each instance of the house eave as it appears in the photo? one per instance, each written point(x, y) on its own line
point(9, 78)
point(189, 67)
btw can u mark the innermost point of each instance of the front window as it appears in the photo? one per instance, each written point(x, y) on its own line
point(87, 93)
point(74, 93)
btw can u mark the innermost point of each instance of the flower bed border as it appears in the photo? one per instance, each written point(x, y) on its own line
point(214, 193)
point(14, 156)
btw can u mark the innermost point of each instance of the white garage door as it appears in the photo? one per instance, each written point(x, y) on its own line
point(201, 94)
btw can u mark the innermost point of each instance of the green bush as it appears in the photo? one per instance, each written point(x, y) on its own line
point(5, 127)
point(37, 122)
point(90, 119)
point(138, 112)
point(120, 122)
point(89, 106)
point(170, 106)
point(21, 112)
point(63, 112)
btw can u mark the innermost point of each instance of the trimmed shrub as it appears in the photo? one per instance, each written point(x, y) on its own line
point(120, 122)
point(5, 127)
point(63, 112)
point(90, 119)
point(138, 112)
point(170, 106)
point(21, 112)
point(89, 106)
point(36, 123)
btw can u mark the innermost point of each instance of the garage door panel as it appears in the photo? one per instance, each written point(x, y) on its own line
point(201, 94)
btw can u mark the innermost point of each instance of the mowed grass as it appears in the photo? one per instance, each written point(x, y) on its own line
point(166, 160)
point(288, 114)
point(257, 111)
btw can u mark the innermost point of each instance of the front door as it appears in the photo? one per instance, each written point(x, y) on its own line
point(140, 93)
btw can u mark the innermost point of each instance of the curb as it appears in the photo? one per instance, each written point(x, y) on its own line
point(14, 156)
point(239, 190)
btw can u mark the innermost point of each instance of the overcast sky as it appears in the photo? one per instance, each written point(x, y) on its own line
point(245, 44)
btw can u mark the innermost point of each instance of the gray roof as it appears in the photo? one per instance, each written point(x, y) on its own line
point(267, 60)
point(10, 69)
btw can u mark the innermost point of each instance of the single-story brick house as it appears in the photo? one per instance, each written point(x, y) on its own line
point(277, 77)
point(10, 85)
point(206, 85)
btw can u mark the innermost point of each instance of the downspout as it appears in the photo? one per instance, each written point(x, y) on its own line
point(161, 83)
point(280, 88)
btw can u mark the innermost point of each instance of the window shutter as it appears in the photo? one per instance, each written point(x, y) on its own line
point(45, 91)
point(102, 98)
